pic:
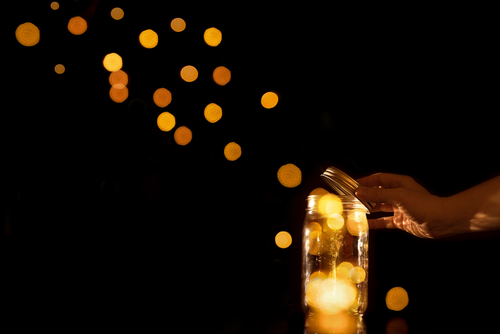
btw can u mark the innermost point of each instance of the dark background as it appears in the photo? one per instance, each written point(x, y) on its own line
point(106, 218)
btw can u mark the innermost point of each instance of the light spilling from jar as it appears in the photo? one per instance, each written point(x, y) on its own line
point(335, 245)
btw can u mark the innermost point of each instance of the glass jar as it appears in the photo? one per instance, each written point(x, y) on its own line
point(335, 256)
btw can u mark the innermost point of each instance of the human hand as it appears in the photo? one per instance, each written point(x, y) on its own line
point(416, 211)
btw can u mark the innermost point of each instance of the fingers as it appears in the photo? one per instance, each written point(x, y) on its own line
point(385, 180)
point(381, 223)
point(382, 207)
point(380, 195)
point(388, 180)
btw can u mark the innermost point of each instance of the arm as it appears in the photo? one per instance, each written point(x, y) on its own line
point(425, 215)
point(478, 207)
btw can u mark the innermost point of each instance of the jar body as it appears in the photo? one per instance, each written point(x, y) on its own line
point(335, 256)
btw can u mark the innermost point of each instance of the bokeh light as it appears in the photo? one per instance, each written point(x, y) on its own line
point(112, 62)
point(117, 13)
point(335, 222)
point(283, 239)
point(330, 204)
point(59, 69)
point(162, 97)
point(77, 25)
point(213, 112)
point(318, 192)
point(183, 135)
point(165, 121)
point(289, 175)
point(148, 39)
point(396, 326)
point(396, 299)
point(28, 34)
point(178, 24)
point(344, 270)
point(189, 73)
point(118, 95)
point(357, 275)
point(269, 100)
point(330, 295)
point(315, 238)
point(232, 151)
point(222, 75)
point(54, 5)
point(118, 79)
point(341, 322)
point(212, 36)
point(357, 223)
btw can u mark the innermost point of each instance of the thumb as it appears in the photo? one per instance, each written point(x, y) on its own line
point(380, 195)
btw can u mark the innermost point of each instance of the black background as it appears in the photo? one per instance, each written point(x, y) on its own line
point(107, 218)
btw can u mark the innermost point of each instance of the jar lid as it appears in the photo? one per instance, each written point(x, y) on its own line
point(343, 184)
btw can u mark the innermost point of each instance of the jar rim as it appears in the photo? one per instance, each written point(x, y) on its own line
point(346, 200)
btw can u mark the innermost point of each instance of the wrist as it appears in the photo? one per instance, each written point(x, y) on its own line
point(455, 215)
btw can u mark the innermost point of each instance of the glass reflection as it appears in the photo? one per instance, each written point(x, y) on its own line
point(341, 322)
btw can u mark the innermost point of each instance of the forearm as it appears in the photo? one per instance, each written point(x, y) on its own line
point(476, 209)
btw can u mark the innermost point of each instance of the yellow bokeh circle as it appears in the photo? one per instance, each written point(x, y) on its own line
point(148, 39)
point(357, 223)
point(212, 36)
point(357, 275)
point(283, 239)
point(318, 192)
point(189, 73)
point(335, 221)
point(232, 151)
point(269, 100)
point(330, 204)
point(213, 112)
point(396, 299)
point(112, 62)
point(289, 175)
point(28, 34)
point(165, 121)
point(344, 270)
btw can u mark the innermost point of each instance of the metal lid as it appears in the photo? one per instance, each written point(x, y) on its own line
point(343, 184)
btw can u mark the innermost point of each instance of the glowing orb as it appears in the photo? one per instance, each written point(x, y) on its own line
point(232, 151)
point(112, 62)
point(283, 239)
point(396, 299)
point(213, 112)
point(189, 73)
point(28, 34)
point(162, 97)
point(148, 39)
point(165, 121)
point(212, 36)
point(269, 100)
point(289, 175)
point(77, 25)
point(178, 24)
point(183, 136)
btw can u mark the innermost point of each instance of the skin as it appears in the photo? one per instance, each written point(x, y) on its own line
point(424, 215)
